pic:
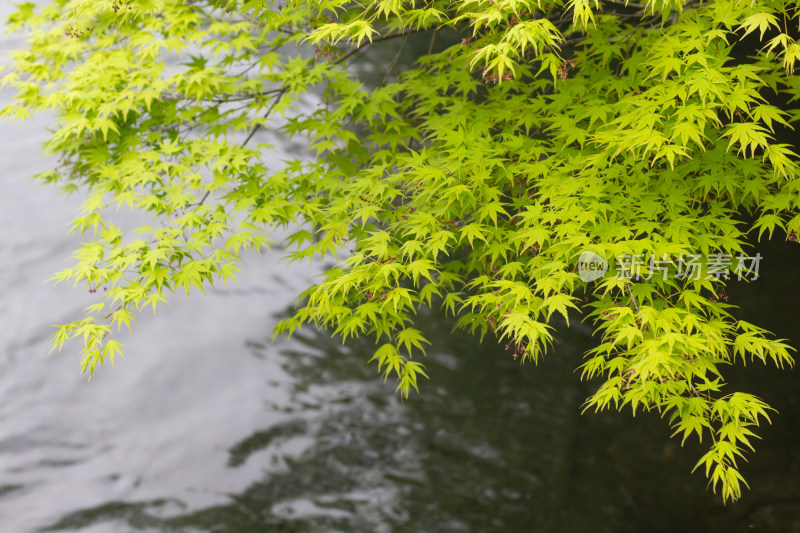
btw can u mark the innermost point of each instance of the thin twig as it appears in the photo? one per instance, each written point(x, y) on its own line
point(278, 97)
point(433, 40)
point(393, 64)
point(378, 40)
point(633, 298)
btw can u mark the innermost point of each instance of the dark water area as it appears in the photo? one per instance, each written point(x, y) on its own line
point(488, 445)
point(209, 426)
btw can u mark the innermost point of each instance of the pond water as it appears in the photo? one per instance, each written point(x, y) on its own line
point(208, 426)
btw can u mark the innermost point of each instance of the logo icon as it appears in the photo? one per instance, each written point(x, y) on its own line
point(591, 266)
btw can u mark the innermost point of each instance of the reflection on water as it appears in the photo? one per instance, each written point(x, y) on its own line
point(488, 445)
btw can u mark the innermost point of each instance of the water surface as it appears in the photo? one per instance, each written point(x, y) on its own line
point(207, 426)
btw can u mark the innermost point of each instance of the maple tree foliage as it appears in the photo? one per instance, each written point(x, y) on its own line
point(471, 179)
